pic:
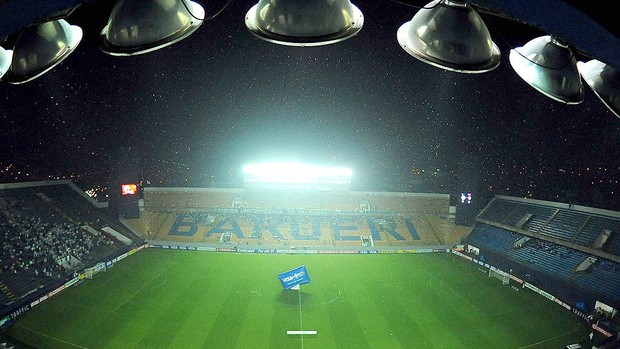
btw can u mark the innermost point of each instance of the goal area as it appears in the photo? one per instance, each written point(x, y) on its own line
point(89, 272)
point(499, 274)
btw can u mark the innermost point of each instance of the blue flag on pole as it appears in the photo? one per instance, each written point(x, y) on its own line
point(294, 277)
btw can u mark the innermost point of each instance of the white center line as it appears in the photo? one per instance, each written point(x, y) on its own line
point(301, 322)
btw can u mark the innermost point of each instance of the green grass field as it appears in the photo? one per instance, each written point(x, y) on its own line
point(193, 299)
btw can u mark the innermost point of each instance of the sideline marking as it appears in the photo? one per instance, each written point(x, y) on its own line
point(51, 337)
point(85, 307)
point(549, 339)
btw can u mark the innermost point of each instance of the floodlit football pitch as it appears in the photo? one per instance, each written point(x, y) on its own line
point(195, 299)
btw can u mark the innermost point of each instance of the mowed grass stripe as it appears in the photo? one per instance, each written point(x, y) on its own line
point(200, 313)
point(154, 301)
point(187, 301)
point(413, 306)
point(406, 329)
point(257, 325)
point(124, 278)
point(498, 306)
point(37, 329)
point(487, 296)
point(377, 329)
point(346, 326)
point(283, 319)
point(226, 328)
point(138, 310)
point(452, 323)
point(137, 306)
point(511, 319)
point(194, 309)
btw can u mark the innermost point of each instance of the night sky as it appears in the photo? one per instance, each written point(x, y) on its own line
point(222, 97)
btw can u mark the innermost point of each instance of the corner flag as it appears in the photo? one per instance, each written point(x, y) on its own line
point(294, 277)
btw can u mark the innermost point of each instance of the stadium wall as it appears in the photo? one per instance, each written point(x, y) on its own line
point(296, 249)
point(166, 199)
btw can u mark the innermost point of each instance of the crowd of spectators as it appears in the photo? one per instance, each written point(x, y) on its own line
point(28, 245)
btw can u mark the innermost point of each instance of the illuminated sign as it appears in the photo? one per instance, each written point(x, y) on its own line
point(294, 277)
point(129, 189)
point(466, 198)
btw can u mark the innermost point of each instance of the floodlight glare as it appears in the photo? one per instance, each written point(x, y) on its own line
point(293, 172)
point(5, 60)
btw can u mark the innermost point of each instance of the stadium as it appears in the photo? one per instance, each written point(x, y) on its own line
point(457, 184)
point(295, 259)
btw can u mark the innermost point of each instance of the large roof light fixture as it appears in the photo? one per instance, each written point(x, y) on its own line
point(39, 48)
point(5, 60)
point(547, 64)
point(304, 23)
point(604, 80)
point(141, 26)
point(450, 35)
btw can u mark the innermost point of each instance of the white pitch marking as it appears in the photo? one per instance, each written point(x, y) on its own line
point(301, 332)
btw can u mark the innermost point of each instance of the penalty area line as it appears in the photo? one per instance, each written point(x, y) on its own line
point(549, 339)
point(445, 285)
point(141, 288)
point(51, 337)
